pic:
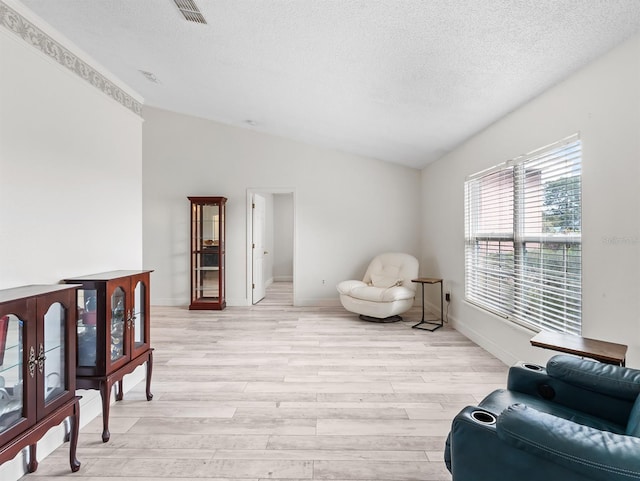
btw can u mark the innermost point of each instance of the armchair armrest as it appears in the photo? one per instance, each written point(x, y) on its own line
point(567, 391)
point(595, 454)
point(345, 287)
point(474, 452)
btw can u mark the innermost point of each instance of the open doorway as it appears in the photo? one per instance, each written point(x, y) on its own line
point(270, 247)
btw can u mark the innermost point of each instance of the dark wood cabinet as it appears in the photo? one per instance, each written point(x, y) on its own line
point(207, 252)
point(37, 368)
point(113, 332)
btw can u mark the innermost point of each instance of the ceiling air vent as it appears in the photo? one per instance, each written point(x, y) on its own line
point(151, 77)
point(190, 11)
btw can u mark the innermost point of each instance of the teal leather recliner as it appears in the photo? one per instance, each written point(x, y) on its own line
point(576, 420)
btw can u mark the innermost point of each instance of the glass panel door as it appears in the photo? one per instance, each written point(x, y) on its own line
point(87, 334)
point(140, 296)
point(86, 328)
point(199, 260)
point(117, 324)
point(210, 238)
point(11, 369)
point(51, 355)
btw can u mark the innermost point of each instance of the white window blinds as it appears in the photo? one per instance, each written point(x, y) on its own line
point(523, 238)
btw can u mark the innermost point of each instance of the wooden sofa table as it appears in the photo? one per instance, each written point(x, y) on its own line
point(603, 351)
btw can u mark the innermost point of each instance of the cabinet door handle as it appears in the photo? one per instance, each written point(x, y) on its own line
point(129, 319)
point(32, 361)
point(41, 359)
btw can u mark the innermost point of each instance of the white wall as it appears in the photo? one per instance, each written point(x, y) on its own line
point(70, 173)
point(70, 183)
point(347, 208)
point(283, 237)
point(602, 102)
point(269, 240)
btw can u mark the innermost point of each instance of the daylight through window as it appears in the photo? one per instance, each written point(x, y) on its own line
point(523, 238)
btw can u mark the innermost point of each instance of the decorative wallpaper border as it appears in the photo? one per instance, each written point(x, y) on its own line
point(27, 31)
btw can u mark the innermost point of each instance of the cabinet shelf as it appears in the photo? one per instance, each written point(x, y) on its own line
point(8, 367)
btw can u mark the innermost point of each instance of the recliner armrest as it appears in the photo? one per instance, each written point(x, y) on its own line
point(474, 452)
point(598, 455)
point(537, 381)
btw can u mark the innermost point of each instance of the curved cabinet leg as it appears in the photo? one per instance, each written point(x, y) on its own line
point(74, 428)
point(120, 391)
point(67, 428)
point(149, 370)
point(105, 392)
point(33, 459)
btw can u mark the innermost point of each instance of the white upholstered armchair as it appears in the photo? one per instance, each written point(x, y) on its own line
point(385, 292)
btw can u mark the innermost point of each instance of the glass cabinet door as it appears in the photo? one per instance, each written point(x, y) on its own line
point(117, 325)
point(52, 353)
point(11, 371)
point(208, 231)
point(86, 327)
point(37, 375)
point(139, 315)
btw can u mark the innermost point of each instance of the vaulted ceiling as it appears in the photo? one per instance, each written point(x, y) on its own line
point(399, 80)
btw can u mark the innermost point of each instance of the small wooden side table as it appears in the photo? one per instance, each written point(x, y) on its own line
point(603, 351)
point(437, 324)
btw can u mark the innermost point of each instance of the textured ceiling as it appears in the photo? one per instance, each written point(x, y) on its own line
point(398, 80)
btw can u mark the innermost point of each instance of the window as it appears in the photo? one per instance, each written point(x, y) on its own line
point(523, 238)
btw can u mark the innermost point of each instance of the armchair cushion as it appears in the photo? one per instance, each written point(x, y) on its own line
point(380, 280)
point(379, 294)
point(633, 426)
point(616, 381)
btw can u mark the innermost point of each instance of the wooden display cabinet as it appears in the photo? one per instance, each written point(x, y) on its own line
point(207, 252)
point(37, 369)
point(113, 333)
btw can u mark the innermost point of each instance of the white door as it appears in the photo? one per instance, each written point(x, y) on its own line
point(258, 252)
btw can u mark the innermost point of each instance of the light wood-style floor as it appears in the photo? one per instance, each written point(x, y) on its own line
point(285, 393)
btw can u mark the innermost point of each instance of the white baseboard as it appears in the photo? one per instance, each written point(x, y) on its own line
point(478, 337)
point(169, 302)
point(282, 278)
point(484, 342)
point(314, 302)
